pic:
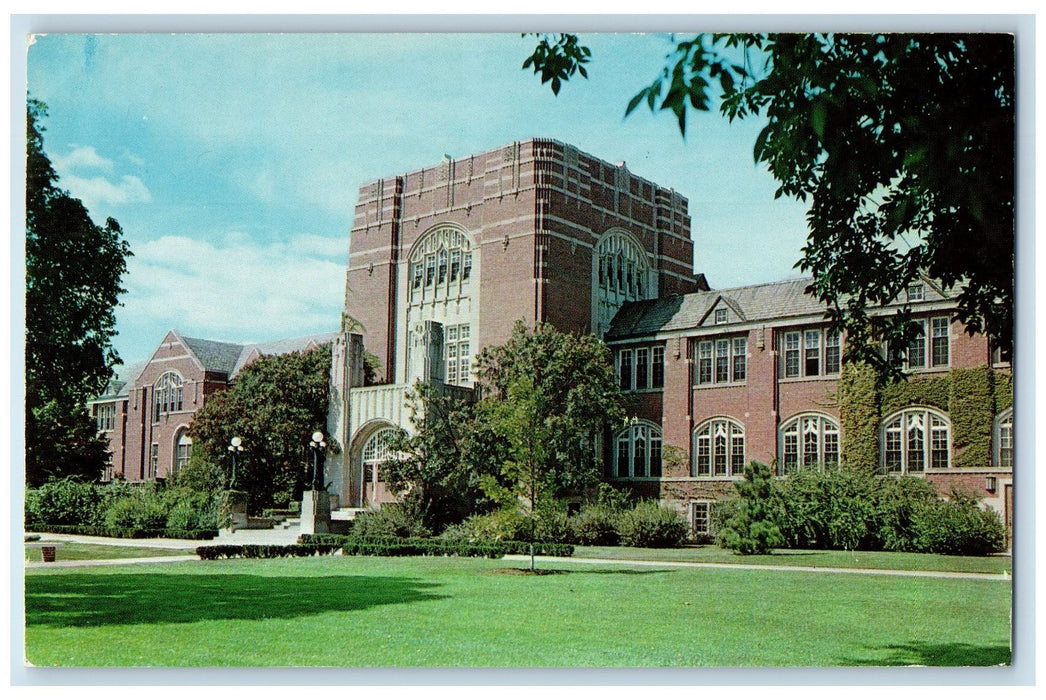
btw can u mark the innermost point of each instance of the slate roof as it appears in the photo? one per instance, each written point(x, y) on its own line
point(215, 356)
point(120, 385)
point(282, 347)
point(755, 303)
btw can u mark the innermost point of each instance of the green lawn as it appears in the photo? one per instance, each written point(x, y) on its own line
point(363, 611)
point(79, 551)
point(809, 557)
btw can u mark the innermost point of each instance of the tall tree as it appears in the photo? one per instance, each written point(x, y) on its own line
point(274, 405)
point(904, 144)
point(73, 282)
point(568, 381)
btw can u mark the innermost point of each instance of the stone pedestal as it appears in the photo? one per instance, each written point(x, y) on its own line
point(236, 509)
point(315, 513)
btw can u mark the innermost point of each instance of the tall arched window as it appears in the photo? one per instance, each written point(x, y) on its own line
point(637, 451)
point(622, 274)
point(182, 450)
point(439, 274)
point(1003, 435)
point(167, 394)
point(718, 449)
point(375, 452)
point(914, 440)
point(808, 440)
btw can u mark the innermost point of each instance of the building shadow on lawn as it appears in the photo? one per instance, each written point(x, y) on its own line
point(927, 654)
point(86, 600)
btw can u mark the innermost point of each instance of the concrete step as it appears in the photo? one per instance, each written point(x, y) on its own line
point(346, 513)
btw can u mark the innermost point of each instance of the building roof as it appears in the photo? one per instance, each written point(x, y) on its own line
point(281, 347)
point(749, 304)
point(215, 356)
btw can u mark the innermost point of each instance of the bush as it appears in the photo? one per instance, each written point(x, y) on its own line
point(433, 546)
point(136, 513)
point(596, 524)
point(390, 520)
point(895, 508)
point(959, 526)
point(63, 502)
point(503, 525)
point(649, 524)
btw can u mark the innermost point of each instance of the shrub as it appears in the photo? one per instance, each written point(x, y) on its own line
point(596, 524)
point(136, 513)
point(390, 520)
point(649, 524)
point(752, 529)
point(63, 502)
point(503, 525)
point(959, 526)
point(895, 508)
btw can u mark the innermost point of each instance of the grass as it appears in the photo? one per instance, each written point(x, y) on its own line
point(81, 551)
point(897, 561)
point(373, 612)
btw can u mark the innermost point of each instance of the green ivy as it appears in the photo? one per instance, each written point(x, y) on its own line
point(972, 412)
point(859, 415)
point(1003, 391)
point(971, 397)
point(920, 390)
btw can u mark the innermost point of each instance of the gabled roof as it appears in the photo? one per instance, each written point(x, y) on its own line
point(123, 377)
point(753, 304)
point(215, 356)
point(281, 347)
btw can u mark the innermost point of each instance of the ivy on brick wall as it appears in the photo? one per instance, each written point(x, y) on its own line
point(859, 416)
point(972, 411)
point(920, 390)
point(1003, 391)
point(971, 397)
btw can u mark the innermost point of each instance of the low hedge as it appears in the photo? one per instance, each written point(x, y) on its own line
point(262, 551)
point(122, 532)
point(426, 546)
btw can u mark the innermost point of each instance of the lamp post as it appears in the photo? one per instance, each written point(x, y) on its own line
point(316, 445)
point(235, 445)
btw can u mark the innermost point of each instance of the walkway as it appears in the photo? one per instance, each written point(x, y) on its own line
point(770, 567)
point(286, 537)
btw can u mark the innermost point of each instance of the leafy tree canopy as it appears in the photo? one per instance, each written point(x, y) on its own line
point(73, 282)
point(274, 405)
point(567, 384)
point(435, 462)
point(903, 143)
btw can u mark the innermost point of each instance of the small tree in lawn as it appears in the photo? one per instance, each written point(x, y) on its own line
point(523, 422)
point(753, 527)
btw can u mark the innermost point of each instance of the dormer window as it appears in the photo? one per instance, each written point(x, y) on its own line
point(916, 292)
point(720, 316)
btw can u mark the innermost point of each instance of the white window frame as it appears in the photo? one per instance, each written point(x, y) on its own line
point(809, 344)
point(375, 453)
point(627, 363)
point(705, 510)
point(168, 394)
point(642, 440)
point(825, 432)
point(720, 352)
point(704, 444)
point(721, 316)
point(1002, 440)
point(916, 453)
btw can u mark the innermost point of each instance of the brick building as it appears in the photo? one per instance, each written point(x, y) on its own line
point(752, 373)
point(146, 414)
point(445, 259)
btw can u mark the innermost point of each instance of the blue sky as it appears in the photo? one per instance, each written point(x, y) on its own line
point(232, 161)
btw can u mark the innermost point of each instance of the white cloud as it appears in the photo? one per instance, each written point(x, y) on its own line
point(81, 157)
point(234, 290)
point(96, 192)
